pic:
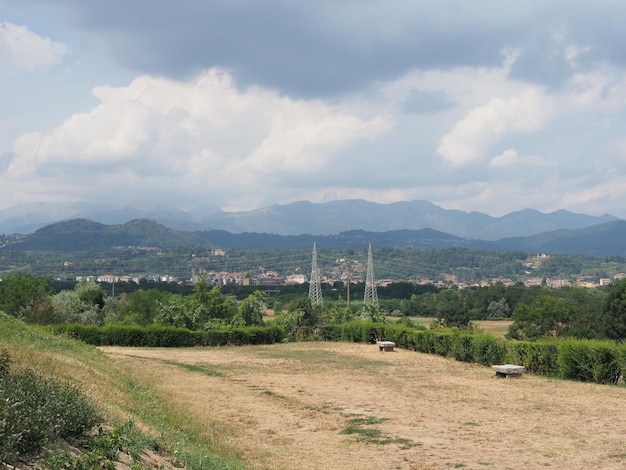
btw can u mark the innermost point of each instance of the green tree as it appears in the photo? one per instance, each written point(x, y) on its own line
point(204, 308)
point(613, 317)
point(174, 312)
point(68, 307)
point(84, 304)
point(452, 309)
point(90, 293)
point(299, 319)
point(545, 316)
point(338, 313)
point(208, 303)
point(141, 307)
point(373, 313)
point(499, 309)
point(27, 296)
point(310, 316)
point(250, 310)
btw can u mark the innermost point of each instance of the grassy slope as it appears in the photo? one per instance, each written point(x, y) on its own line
point(121, 394)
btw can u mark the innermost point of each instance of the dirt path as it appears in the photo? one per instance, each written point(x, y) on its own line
point(350, 406)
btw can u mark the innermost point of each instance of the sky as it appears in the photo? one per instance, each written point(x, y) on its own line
point(483, 106)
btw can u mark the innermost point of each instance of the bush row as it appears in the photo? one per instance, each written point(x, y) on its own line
point(162, 336)
point(583, 360)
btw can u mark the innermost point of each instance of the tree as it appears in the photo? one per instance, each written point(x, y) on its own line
point(373, 313)
point(299, 319)
point(338, 313)
point(90, 293)
point(205, 308)
point(84, 304)
point(545, 316)
point(499, 309)
point(452, 309)
point(208, 303)
point(250, 310)
point(310, 316)
point(174, 312)
point(27, 296)
point(141, 306)
point(613, 317)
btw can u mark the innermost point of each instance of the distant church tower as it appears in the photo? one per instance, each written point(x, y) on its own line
point(371, 294)
point(315, 287)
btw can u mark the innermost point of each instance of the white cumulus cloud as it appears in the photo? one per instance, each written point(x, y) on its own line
point(468, 141)
point(24, 50)
point(198, 136)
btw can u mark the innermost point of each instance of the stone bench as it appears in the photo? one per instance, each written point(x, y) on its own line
point(506, 371)
point(386, 345)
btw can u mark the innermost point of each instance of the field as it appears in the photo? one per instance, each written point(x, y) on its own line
point(319, 405)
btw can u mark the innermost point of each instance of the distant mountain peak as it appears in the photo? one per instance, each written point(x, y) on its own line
point(305, 217)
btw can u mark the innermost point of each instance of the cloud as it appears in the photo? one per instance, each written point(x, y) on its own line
point(328, 48)
point(508, 158)
point(317, 49)
point(23, 50)
point(470, 138)
point(201, 136)
point(486, 105)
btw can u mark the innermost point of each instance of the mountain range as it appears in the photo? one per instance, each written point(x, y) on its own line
point(607, 239)
point(297, 218)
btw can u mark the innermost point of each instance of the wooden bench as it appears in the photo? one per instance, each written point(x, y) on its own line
point(507, 371)
point(386, 345)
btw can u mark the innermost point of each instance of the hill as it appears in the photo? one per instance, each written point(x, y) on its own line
point(608, 239)
point(599, 240)
point(86, 235)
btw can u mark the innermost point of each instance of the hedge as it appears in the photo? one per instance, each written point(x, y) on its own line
point(590, 361)
point(584, 360)
point(163, 336)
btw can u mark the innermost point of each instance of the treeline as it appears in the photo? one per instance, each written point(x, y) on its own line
point(536, 312)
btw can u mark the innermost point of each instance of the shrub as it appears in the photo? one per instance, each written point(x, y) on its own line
point(462, 347)
point(489, 350)
point(5, 362)
point(540, 357)
point(589, 361)
point(35, 409)
point(330, 332)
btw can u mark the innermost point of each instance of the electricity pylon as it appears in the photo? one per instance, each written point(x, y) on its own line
point(315, 286)
point(371, 294)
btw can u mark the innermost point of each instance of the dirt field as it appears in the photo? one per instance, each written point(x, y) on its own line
point(350, 406)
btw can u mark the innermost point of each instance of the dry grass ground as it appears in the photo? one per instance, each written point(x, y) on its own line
point(349, 406)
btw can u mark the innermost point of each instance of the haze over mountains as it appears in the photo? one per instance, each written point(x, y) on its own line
point(340, 224)
point(304, 217)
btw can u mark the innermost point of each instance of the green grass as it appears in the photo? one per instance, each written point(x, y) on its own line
point(119, 393)
point(195, 368)
point(360, 426)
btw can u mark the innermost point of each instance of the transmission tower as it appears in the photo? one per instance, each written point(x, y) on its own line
point(315, 287)
point(371, 294)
